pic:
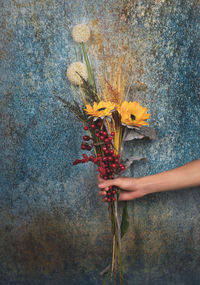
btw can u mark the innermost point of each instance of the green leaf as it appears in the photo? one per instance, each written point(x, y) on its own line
point(125, 222)
point(90, 71)
point(118, 194)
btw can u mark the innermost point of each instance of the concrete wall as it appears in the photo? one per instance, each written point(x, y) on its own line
point(53, 227)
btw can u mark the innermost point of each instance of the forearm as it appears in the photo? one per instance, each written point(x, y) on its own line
point(182, 177)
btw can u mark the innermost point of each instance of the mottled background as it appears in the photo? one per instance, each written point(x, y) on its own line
point(53, 227)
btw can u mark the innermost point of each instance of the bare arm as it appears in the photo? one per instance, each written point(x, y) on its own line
point(182, 177)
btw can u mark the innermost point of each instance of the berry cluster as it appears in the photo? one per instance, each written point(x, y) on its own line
point(107, 161)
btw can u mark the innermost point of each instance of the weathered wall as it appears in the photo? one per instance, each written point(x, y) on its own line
point(53, 227)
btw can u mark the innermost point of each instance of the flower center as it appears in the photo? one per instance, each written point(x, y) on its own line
point(132, 117)
point(101, 109)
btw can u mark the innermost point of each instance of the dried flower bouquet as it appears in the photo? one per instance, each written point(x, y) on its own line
point(109, 120)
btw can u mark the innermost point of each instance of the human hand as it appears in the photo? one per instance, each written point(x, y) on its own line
point(128, 186)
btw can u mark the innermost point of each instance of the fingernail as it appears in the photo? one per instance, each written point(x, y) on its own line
point(102, 185)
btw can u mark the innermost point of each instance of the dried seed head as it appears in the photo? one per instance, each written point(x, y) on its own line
point(81, 33)
point(73, 72)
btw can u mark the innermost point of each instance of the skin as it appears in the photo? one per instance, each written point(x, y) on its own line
point(185, 176)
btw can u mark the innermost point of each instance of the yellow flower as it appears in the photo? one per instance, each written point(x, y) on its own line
point(81, 33)
point(133, 114)
point(73, 72)
point(102, 109)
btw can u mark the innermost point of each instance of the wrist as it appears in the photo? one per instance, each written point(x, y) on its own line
point(145, 185)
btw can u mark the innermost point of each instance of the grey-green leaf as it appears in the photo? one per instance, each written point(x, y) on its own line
point(132, 135)
point(147, 132)
point(131, 159)
point(140, 133)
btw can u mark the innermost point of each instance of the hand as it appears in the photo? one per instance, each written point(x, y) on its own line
point(128, 187)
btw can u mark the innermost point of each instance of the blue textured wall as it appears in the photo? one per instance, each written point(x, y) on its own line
point(53, 227)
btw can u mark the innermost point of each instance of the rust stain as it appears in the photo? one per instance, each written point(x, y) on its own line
point(20, 4)
point(3, 54)
point(53, 243)
point(124, 13)
point(29, 3)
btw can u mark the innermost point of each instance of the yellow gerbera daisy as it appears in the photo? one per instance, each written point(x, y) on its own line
point(101, 109)
point(133, 114)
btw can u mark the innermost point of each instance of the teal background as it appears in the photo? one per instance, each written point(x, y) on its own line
point(53, 227)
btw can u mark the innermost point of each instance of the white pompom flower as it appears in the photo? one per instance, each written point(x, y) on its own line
point(73, 72)
point(81, 33)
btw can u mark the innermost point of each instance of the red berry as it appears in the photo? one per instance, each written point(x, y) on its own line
point(112, 134)
point(108, 170)
point(108, 194)
point(111, 151)
point(104, 148)
point(75, 162)
point(114, 191)
point(97, 135)
point(110, 158)
point(106, 140)
point(86, 138)
point(110, 139)
point(122, 167)
point(101, 138)
point(104, 158)
point(116, 160)
point(95, 160)
point(110, 187)
point(92, 126)
point(105, 177)
point(99, 124)
point(110, 177)
point(106, 152)
point(83, 147)
point(109, 200)
point(85, 155)
point(101, 133)
point(91, 158)
point(98, 155)
point(113, 198)
point(108, 145)
point(105, 134)
point(88, 147)
point(114, 165)
point(85, 128)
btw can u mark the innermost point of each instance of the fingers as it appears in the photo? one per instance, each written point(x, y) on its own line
point(100, 180)
point(106, 183)
point(102, 193)
point(124, 195)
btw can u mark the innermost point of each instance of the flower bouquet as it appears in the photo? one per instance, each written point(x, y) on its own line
point(109, 120)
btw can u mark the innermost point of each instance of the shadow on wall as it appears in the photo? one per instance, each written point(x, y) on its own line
point(52, 244)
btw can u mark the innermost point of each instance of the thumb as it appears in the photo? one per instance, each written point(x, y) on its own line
point(106, 183)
